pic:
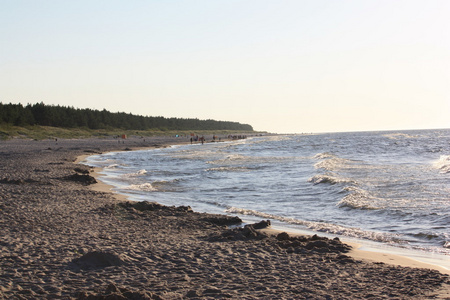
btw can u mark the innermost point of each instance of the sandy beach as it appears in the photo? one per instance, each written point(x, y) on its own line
point(63, 236)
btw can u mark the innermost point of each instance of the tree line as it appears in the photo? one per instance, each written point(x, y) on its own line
point(69, 117)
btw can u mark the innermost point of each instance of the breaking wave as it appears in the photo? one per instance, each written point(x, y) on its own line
point(113, 166)
point(325, 227)
point(138, 173)
point(330, 179)
point(155, 186)
point(443, 164)
point(146, 187)
point(323, 155)
point(330, 162)
point(358, 199)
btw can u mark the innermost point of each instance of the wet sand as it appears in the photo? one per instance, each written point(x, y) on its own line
point(65, 238)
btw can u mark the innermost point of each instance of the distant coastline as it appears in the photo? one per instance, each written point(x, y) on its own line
point(40, 115)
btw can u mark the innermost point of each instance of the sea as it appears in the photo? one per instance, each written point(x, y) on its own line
point(387, 189)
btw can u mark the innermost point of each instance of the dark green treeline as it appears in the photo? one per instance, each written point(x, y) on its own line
point(69, 117)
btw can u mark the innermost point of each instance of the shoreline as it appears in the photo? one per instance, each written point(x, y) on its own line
point(378, 252)
point(62, 239)
point(361, 249)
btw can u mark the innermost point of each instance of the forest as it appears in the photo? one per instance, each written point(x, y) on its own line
point(70, 117)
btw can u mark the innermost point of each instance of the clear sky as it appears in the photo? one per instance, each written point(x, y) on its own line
point(281, 66)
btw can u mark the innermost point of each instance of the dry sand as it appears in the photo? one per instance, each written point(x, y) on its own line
point(61, 239)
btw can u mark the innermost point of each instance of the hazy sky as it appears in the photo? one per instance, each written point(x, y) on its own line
point(281, 66)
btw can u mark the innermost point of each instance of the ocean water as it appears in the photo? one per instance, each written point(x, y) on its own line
point(386, 187)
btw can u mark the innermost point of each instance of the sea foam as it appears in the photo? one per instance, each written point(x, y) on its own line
point(147, 187)
point(112, 166)
point(358, 199)
point(443, 164)
point(325, 227)
point(330, 162)
point(330, 179)
point(138, 173)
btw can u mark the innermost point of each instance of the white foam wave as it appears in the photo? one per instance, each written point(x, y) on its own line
point(323, 155)
point(155, 186)
point(324, 227)
point(250, 212)
point(147, 187)
point(329, 161)
point(324, 178)
point(135, 174)
point(443, 164)
point(359, 199)
point(331, 164)
point(112, 166)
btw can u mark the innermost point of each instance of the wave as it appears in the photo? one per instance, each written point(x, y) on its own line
point(426, 235)
point(190, 154)
point(325, 227)
point(112, 166)
point(138, 173)
point(330, 161)
point(324, 155)
point(443, 164)
point(395, 136)
point(228, 169)
point(155, 186)
point(275, 138)
point(359, 199)
point(438, 238)
point(323, 178)
point(238, 159)
point(146, 187)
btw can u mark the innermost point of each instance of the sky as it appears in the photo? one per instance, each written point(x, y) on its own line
point(281, 66)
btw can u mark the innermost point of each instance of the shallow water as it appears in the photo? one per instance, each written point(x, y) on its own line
point(388, 187)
